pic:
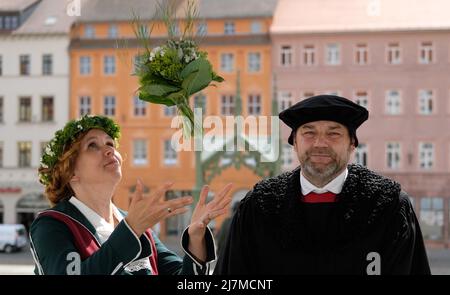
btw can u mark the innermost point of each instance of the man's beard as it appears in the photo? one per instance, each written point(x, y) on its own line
point(323, 174)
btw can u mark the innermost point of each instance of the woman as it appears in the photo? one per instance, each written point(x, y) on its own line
point(85, 233)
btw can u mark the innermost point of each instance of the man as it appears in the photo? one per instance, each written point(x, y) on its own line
point(327, 216)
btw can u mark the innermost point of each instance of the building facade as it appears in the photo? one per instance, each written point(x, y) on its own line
point(34, 88)
point(397, 65)
point(235, 36)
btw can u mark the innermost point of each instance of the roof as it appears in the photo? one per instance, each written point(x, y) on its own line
point(49, 17)
point(16, 5)
point(121, 10)
point(117, 10)
point(236, 8)
point(316, 16)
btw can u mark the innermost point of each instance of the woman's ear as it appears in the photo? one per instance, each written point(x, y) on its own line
point(74, 178)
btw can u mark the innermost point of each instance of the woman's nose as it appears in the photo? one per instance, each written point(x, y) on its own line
point(108, 150)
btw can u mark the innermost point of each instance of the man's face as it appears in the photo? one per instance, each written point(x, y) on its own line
point(323, 149)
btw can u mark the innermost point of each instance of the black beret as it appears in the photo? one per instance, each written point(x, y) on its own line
point(327, 108)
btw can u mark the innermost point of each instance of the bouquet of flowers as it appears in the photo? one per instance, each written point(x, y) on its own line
point(172, 72)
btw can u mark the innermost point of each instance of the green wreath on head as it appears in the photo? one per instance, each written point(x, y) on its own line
point(67, 135)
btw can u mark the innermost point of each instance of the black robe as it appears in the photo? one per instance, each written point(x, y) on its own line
point(370, 229)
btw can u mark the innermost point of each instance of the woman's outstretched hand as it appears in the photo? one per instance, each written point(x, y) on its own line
point(202, 216)
point(145, 212)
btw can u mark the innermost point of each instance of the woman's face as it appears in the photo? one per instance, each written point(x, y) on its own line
point(98, 160)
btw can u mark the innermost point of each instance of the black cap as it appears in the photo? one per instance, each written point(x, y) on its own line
point(328, 108)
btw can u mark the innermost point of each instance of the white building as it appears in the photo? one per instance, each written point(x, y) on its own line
point(34, 98)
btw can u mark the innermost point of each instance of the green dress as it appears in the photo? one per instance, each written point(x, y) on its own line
point(54, 251)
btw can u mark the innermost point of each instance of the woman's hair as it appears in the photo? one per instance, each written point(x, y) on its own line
point(59, 186)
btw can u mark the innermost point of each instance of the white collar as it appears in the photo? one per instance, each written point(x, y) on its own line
point(102, 227)
point(334, 186)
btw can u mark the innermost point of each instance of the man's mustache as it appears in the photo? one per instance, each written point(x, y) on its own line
point(321, 152)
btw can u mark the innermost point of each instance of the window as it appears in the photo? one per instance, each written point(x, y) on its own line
point(47, 64)
point(1, 22)
point(109, 105)
point(10, 22)
point(286, 55)
point(426, 53)
point(426, 102)
point(170, 111)
point(286, 156)
point(285, 100)
point(361, 154)
point(139, 152)
point(394, 54)
point(170, 155)
point(85, 65)
point(333, 54)
point(24, 148)
point(426, 155)
point(256, 27)
point(362, 99)
point(113, 31)
point(362, 54)
point(229, 28)
point(393, 102)
point(254, 62)
point(1, 154)
point(254, 104)
point(139, 107)
point(47, 109)
point(202, 29)
point(200, 102)
point(227, 62)
point(24, 65)
point(309, 52)
point(1, 65)
point(109, 64)
point(175, 29)
point(136, 62)
point(89, 31)
point(227, 107)
point(432, 218)
point(393, 152)
point(85, 105)
point(1, 109)
point(24, 109)
point(44, 145)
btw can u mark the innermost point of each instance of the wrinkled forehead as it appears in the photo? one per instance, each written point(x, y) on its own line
point(322, 125)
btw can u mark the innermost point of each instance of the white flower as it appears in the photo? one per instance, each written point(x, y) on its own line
point(44, 165)
point(51, 154)
point(48, 150)
point(80, 127)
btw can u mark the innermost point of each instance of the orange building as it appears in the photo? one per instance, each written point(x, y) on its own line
point(103, 47)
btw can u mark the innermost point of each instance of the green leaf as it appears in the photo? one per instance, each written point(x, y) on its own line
point(160, 89)
point(195, 66)
point(217, 78)
point(199, 79)
point(156, 99)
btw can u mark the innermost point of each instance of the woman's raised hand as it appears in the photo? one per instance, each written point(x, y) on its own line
point(145, 212)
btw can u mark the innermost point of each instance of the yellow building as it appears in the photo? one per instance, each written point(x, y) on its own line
point(103, 47)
